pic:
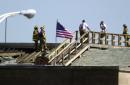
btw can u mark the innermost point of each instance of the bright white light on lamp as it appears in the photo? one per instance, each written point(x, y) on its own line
point(28, 13)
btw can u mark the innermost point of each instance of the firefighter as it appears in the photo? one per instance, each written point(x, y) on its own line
point(35, 37)
point(125, 31)
point(42, 37)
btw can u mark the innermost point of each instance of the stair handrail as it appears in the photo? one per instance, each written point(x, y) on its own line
point(82, 50)
point(64, 42)
point(55, 50)
point(60, 52)
point(69, 45)
point(61, 45)
point(76, 55)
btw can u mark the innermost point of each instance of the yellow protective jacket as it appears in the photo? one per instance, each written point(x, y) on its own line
point(44, 35)
point(35, 35)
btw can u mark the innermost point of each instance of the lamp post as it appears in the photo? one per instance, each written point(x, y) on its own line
point(27, 13)
point(5, 29)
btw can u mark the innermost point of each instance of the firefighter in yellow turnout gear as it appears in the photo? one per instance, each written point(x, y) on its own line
point(35, 37)
point(42, 38)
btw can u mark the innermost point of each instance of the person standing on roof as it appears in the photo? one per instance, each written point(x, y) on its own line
point(103, 26)
point(125, 31)
point(83, 28)
point(35, 37)
point(42, 37)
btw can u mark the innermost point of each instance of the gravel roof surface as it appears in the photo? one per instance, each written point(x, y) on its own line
point(109, 57)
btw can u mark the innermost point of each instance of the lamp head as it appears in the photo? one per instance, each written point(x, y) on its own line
point(28, 13)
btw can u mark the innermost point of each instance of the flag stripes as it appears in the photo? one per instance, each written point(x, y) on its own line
point(62, 32)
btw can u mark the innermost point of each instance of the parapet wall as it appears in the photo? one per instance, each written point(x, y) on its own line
point(25, 45)
point(50, 75)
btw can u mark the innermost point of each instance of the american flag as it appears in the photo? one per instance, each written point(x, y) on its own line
point(62, 32)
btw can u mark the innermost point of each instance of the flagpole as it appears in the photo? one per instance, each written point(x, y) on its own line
point(56, 28)
point(55, 39)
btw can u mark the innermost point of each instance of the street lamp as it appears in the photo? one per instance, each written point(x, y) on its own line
point(27, 13)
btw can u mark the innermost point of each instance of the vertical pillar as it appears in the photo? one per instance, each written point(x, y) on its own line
point(99, 37)
point(93, 38)
point(106, 37)
point(119, 40)
point(113, 40)
point(126, 37)
point(76, 38)
point(5, 29)
point(88, 38)
point(62, 59)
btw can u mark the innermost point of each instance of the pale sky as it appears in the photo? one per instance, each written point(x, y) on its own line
point(70, 13)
